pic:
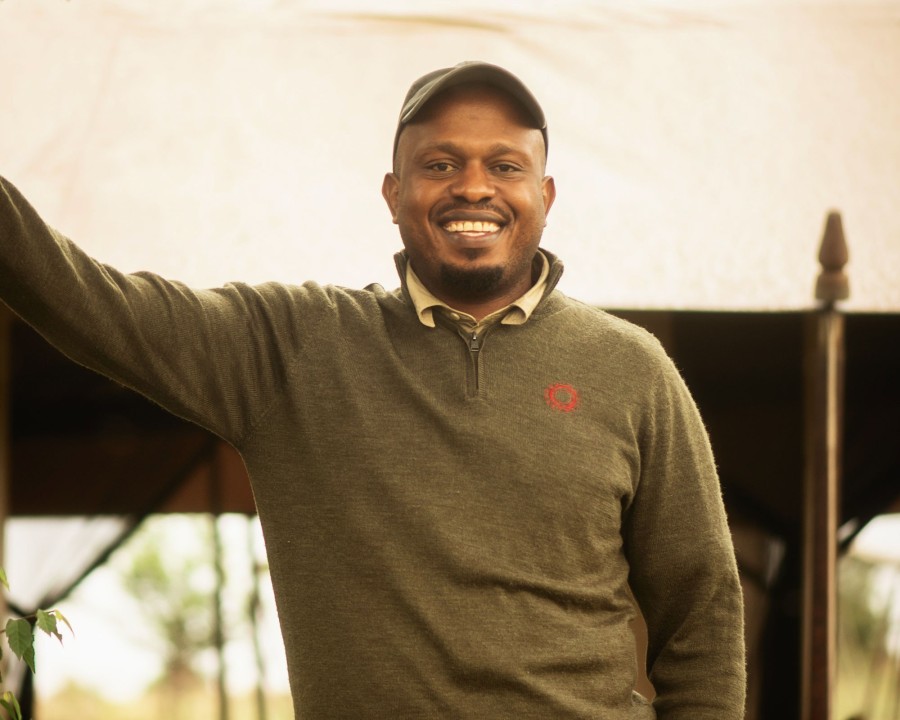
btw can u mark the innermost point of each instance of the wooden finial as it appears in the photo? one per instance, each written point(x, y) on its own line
point(832, 284)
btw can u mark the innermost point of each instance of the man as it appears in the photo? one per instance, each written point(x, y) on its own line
point(460, 482)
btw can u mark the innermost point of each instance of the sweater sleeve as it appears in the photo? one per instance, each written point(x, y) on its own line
point(683, 570)
point(203, 355)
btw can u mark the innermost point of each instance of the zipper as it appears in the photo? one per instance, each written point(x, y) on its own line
point(475, 342)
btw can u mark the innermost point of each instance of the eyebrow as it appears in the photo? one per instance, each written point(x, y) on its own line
point(453, 149)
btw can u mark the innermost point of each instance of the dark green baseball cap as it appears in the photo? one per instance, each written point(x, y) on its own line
point(469, 71)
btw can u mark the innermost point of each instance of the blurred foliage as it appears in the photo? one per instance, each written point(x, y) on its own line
point(176, 599)
point(861, 627)
point(868, 669)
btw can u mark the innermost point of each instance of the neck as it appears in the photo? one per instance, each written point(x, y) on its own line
point(478, 306)
point(481, 308)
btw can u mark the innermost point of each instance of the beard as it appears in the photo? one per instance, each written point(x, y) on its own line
point(475, 283)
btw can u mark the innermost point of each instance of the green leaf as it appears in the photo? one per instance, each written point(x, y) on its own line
point(21, 640)
point(46, 621)
point(62, 617)
point(3, 578)
point(8, 701)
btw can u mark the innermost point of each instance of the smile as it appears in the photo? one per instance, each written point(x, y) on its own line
point(471, 227)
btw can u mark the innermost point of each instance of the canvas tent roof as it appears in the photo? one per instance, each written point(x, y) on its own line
point(697, 146)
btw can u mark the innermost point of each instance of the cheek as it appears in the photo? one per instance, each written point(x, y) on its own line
point(414, 207)
point(532, 206)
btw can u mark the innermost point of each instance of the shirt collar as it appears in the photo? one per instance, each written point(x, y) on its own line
point(516, 313)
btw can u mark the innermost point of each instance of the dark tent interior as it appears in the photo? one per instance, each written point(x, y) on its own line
point(82, 445)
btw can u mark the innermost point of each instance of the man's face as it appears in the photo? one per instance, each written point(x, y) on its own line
point(469, 195)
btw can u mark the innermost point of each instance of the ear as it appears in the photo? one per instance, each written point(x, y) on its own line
point(390, 191)
point(548, 192)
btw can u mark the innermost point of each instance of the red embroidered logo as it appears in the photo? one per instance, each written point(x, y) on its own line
point(562, 397)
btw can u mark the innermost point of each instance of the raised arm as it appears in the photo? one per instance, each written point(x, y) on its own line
point(683, 570)
point(209, 356)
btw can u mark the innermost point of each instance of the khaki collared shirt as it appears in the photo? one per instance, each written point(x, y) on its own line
point(516, 313)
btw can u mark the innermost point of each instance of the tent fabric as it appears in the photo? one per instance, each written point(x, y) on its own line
point(697, 146)
point(44, 557)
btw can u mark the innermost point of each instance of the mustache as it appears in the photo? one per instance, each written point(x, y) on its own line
point(484, 206)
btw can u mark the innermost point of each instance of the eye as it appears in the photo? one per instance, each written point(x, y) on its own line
point(506, 168)
point(441, 167)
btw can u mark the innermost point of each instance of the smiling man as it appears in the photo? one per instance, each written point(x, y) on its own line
point(461, 482)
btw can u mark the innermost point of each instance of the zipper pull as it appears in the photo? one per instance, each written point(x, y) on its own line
point(474, 343)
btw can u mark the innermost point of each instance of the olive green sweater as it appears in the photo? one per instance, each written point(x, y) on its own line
point(452, 528)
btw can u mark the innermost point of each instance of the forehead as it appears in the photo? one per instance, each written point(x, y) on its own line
point(473, 112)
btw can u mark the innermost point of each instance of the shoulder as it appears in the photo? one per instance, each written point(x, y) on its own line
point(600, 332)
point(313, 307)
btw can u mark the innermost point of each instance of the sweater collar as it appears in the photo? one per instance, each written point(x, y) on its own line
point(517, 313)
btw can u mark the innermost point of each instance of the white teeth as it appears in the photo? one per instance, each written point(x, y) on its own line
point(471, 226)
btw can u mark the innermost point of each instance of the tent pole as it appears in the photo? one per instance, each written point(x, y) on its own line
point(215, 486)
point(5, 439)
point(253, 606)
point(821, 496)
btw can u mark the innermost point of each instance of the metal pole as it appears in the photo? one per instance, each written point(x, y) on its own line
point(824, 415)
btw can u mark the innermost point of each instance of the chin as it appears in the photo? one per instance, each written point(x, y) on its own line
point(475, 282)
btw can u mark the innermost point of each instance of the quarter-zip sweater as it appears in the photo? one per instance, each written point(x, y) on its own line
point(447, 538)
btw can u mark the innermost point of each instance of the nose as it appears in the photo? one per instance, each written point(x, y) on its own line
point(473, 183)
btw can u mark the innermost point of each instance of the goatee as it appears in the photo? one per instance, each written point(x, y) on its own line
point(471, 283)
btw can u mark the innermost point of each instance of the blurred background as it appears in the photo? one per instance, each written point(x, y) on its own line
point(697, 149)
